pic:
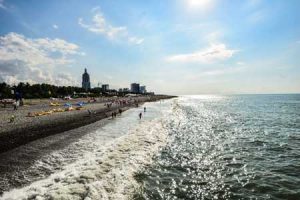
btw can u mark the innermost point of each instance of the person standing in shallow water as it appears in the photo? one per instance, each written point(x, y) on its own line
point(144, 109)
point(140, 115)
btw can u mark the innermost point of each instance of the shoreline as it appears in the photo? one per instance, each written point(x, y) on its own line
point(25, 132)
point(109, 170)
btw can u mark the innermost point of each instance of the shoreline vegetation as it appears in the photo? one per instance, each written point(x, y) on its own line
point(45, 117)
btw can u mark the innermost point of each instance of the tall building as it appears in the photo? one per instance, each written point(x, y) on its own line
point(86, 84)
point(105, 87)
point(126, 90)
point(143, 89)
point(135, 88)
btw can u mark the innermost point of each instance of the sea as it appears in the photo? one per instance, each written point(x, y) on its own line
point(189, 147)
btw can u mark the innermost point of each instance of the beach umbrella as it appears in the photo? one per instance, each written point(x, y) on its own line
point(67, 105)
point(80, 104)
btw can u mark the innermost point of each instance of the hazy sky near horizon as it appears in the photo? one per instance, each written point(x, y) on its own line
point(171, 46)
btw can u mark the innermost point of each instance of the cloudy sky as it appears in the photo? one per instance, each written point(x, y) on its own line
point(172, 46)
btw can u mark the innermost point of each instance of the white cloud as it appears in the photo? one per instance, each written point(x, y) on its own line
point(33, 60)
point(55, 26)
point(65, 79)
point(95, 9)
point(215, 52)
point(101, 26)
point(15, 46)
point(136, 40)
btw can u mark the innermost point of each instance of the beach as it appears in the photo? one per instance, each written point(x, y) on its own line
point(96, 161)
point(25, 128)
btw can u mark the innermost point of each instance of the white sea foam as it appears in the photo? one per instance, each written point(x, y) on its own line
point(106, 173)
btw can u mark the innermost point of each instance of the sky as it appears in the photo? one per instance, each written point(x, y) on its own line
point(171, 46)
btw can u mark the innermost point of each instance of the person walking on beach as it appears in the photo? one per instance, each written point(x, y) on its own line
point(144, 109)
point(140, 115)
point(16, 104)
point(113, 115)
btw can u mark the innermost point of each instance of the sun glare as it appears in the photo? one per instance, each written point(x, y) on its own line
point(199, 4)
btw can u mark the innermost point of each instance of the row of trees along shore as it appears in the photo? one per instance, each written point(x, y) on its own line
point(45, 91)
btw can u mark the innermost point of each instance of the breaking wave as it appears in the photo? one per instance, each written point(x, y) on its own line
point(106, 172)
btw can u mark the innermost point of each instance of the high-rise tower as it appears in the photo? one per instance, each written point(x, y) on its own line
point(86, 84)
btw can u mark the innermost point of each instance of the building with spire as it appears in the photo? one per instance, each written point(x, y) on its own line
point(86, 84)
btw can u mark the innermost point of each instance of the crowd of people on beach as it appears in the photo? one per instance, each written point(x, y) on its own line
point(112, 103)
point(121, 102)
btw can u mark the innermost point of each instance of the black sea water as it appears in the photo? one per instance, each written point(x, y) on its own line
point(190, 147)
point(228, 147)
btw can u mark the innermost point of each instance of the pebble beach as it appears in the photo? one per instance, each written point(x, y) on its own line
point(25, 128)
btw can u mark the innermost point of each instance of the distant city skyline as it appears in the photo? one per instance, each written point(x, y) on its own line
point(172, 46)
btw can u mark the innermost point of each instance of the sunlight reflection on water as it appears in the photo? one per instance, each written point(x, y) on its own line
point(228, 147)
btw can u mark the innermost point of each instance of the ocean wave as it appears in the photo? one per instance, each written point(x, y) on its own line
point(105, 173)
